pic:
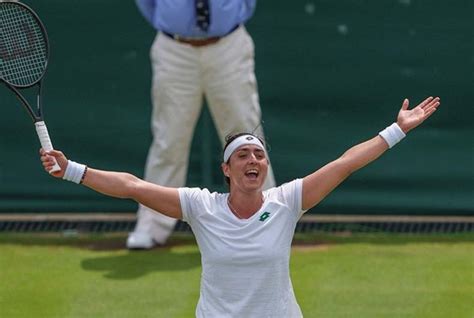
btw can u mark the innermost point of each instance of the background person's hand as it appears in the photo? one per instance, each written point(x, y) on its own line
point(410, 118)
point(48, 162)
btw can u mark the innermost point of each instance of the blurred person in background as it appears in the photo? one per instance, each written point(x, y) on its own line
point(201, 49)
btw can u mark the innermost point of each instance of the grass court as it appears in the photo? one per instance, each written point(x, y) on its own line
point(334, 276)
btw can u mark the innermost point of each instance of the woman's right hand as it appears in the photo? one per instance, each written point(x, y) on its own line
point(48, 162)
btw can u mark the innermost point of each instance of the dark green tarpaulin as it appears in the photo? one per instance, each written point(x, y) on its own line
point(330, 73)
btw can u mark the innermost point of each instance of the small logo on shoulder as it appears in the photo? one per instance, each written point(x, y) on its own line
point(264, 216)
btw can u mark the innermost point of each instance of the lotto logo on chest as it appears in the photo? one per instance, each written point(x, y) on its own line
point(264, 216)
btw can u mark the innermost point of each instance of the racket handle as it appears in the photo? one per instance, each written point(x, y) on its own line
point(43, 135)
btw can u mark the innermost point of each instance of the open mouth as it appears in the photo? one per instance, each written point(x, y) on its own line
point(252, 173)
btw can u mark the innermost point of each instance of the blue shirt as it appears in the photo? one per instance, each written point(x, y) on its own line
point(178, 16)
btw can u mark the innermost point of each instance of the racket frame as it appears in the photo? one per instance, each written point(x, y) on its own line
point(37, 116)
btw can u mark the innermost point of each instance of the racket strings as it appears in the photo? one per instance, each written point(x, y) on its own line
point(23, 46)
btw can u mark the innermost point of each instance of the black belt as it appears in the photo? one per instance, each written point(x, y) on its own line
point(198, 41)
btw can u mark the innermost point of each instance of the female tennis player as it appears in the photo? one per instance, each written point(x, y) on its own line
point(245, 235)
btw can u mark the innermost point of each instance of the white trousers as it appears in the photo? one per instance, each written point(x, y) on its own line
point(182, 74)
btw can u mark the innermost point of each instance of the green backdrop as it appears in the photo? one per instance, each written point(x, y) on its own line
point(330, 73)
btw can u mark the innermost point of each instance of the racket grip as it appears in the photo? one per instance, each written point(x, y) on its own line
point(45, 141)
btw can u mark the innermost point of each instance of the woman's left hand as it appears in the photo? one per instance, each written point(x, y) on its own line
point(410, 118)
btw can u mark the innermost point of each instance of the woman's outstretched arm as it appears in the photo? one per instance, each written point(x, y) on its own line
point(320, 183)
point(119, 185)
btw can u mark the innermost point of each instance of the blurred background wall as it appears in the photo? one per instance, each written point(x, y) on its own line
point(330, 73)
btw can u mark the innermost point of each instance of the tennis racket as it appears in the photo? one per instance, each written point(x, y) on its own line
point(24, 52)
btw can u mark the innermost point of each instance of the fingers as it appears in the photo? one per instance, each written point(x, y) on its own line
point(49, 160)
point(430, 102)
point(426, 102)
point(405, 104)
point(52, 153)
point(431, 105)
point(429, 113)
point(430, 109)
point(55, 153)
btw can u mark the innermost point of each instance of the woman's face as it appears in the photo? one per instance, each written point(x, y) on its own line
point(247, 168)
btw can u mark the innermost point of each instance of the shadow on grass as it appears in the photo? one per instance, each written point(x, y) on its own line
point(111, 242)
point(114, 260)
point(137, 264)
point(94, 242)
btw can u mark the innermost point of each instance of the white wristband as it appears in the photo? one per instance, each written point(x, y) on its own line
point(74, 172)
point(392, 134)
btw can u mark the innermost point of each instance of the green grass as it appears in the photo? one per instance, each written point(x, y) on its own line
point(354, 276)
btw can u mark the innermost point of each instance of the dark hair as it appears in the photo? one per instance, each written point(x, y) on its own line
point(231, 137)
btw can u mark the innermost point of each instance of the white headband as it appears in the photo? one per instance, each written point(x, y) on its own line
point(239, 141)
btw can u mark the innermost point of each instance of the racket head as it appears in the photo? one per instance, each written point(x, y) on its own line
point(24, 46)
